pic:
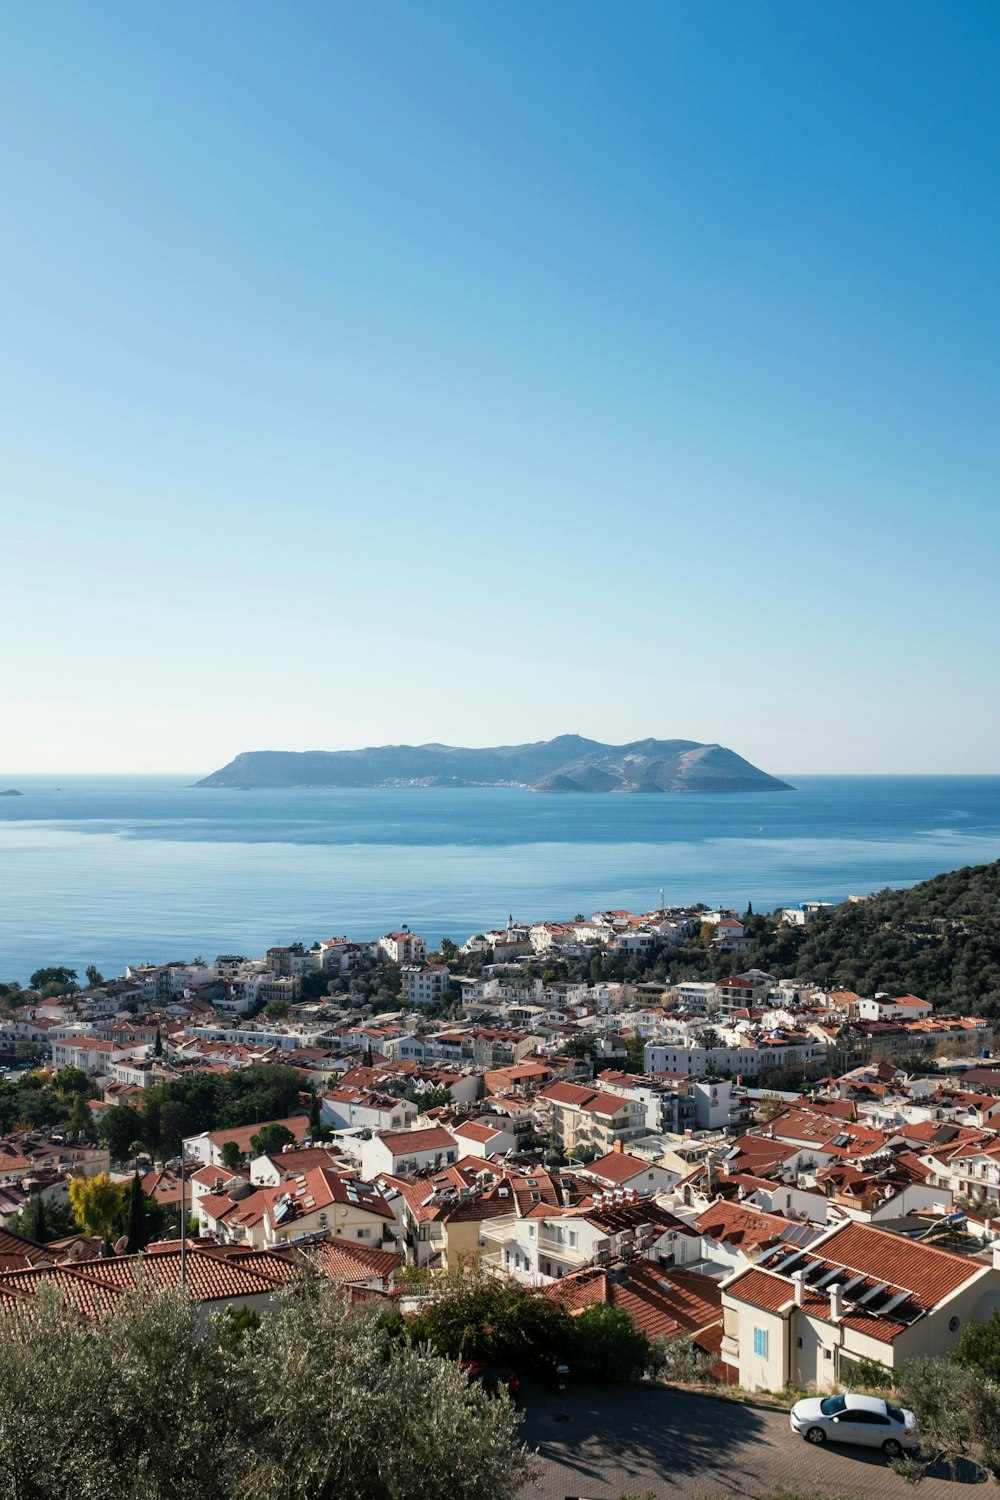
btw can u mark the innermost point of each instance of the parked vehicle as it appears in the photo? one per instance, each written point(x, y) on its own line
point(866, 1420)
point(493, 1378)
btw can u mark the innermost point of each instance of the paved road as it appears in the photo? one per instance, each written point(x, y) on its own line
point(600, 1443)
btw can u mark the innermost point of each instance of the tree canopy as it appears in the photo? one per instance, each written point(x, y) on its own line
point(270, 1139)
point(312, 1402)
point(97, 1203)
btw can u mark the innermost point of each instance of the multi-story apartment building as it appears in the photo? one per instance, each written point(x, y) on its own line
point(422, 983)
point(402, 947)
point(590, 1120)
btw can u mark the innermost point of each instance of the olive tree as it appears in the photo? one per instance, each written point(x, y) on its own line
point(343, 1408)
point(315, 1400)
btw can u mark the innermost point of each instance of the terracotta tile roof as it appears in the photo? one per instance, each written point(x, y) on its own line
point(348, 1263)
point(930, 1273)
point(401, 1142)
point(297, 1124)
point(210, 1277)
point(591, 1101)
point(732, 1224)
point(842, 1108)
point(274, 1263)
point(16, 1251)
point(617, 1167)
point(769, 1293)
point(759, 1155)
point(617, 1216)
point(662, 1302)
point(86, 1292)
point(810, 1128)
point(474, 1131)
point(875, 1267)
point(303, 1158)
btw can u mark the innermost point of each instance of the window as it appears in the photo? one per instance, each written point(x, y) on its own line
point(760, 1342)
point(827, 1353)
point(798, 1342)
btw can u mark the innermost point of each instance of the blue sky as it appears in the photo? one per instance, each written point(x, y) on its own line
point(395, 372)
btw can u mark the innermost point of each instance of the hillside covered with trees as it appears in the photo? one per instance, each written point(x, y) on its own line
point(939, 939)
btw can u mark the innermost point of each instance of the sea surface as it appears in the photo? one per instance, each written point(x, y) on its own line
point(113, 870)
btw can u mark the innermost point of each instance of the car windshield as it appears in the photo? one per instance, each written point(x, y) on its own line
point(833, 1406)
point(896, 1412)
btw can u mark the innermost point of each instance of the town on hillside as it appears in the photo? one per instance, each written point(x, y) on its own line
point(797, 1180)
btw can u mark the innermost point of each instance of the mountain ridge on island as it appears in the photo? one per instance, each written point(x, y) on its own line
point(568, 763)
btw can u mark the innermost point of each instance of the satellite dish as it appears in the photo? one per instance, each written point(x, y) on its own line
point(121, 1245)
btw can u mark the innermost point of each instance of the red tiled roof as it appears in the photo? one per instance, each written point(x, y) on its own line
point(477, 1132)
point(297, 1124)
point(349, 1263)
point(400, 1142)
point(761, 1289)
point(617, 1166)
point(16, 1251)
point(927, 1274)
point(88, 1294)
point(930, 1273)
point(732, 1224)
point(662, 1302)
point(210, 1277)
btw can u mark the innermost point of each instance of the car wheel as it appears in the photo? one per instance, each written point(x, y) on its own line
point(891, 1448)
point(815, 1435)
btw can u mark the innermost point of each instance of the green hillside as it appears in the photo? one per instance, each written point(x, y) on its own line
point(939, 940)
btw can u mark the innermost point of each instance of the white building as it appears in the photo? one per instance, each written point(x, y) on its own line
point(400, 1152)
point(403, 947)
point(422, 983)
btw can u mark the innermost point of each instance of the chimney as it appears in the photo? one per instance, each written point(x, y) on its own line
point(798, 1282)
point(618, 1145)
point(836, 1303)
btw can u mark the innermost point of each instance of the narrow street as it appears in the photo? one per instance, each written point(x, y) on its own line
point(599, 1443)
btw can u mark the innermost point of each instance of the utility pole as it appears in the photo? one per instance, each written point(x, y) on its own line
point(183, 1224)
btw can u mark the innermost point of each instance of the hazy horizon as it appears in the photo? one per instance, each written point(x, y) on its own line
point(6, 777)
point(377, 368)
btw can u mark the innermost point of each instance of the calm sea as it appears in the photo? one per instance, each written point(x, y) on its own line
point(111, 870)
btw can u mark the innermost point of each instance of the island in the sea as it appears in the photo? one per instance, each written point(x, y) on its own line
point(568, 763)
point(11, 791)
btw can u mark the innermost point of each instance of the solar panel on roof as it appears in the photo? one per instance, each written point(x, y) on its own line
point(893, 1302)
point(789, 1260)
point(828, 1277)
point(872, 1293)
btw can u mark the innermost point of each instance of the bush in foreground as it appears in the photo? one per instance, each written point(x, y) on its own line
point(314, 1403)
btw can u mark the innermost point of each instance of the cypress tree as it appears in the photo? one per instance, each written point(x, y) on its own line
point(138, 1227)
point(38, 1229)
point(314, 1114)
point(158, 1044)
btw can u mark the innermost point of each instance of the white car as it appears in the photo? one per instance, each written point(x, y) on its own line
point(867, 1420)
